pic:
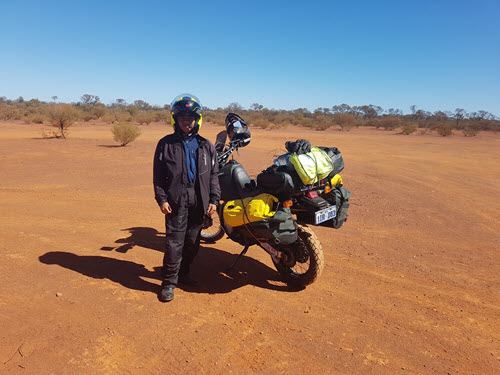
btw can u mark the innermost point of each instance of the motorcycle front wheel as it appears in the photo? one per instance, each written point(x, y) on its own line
point(304, 264)
point(211, 230)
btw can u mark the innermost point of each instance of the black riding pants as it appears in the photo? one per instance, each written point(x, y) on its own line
point(182, 228)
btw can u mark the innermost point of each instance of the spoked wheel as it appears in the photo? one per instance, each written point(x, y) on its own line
point(211, 230)
point(302, 262)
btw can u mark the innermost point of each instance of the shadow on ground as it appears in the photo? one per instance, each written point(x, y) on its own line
point(208, 266)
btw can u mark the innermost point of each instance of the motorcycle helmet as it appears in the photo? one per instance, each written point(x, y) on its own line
point(237, 129)
point(186, 103)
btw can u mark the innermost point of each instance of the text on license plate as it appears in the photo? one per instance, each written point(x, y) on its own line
point(325, 214)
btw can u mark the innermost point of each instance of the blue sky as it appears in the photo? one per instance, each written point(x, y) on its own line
point(437, 55)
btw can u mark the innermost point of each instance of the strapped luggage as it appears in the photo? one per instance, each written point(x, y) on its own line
point(243, 211)
point(312, 166)
point(281, 228)
point(336, 157)
point(340, 197)
point(277, 181)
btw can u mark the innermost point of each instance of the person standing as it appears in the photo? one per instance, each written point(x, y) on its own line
point(186, 186)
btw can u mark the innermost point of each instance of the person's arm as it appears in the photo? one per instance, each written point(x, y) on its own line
point(160, 180)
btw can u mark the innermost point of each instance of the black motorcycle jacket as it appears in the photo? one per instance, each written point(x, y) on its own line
point(170, 175)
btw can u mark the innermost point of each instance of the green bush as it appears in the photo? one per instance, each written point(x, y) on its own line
point(125, 133)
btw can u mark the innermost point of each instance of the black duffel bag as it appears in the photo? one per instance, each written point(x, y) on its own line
point(277, 181)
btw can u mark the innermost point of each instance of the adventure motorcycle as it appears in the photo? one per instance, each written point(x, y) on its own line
point(284, 234)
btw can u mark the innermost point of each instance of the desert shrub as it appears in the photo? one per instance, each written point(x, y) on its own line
point(323, 122)
point(470, 128)
point(162, 116)
point(116, 115)
point(87, 116)
point(35, 118)
point(307, 123)
point(92, 113)
point(98, 110)
point(145, 118)
point(371, 122)
point(109, 117)
point(261, 123)
point(282, 119)
point(123, 116)
point(125, 132)
point(469, 131)
point(323, 125)
point(390, 122)
point(62, 116)
point(346, 121)
point(133, 110)
point(297, 118)
point(409, 128)
point(9, 113)
point(444, 129)
point(215, 117)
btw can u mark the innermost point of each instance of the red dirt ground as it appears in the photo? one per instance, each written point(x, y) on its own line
point(410, 285)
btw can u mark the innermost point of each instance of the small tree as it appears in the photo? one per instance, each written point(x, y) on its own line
point(62, 116)
point(142, 105)
point(125, 133)
point(256, 107)
point(234, 108)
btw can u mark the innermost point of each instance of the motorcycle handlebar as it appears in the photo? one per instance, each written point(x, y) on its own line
point(233, 145)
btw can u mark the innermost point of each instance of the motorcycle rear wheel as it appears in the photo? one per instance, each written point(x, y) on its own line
point(212, 232)
point(307, 267)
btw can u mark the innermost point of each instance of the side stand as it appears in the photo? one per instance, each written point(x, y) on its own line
point(237, 259)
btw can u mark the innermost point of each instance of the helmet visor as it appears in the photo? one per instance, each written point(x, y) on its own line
point(185, 97)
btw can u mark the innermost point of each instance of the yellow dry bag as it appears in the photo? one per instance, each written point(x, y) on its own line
point(242, 211)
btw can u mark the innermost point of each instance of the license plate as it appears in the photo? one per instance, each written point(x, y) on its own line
point(325, 214)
